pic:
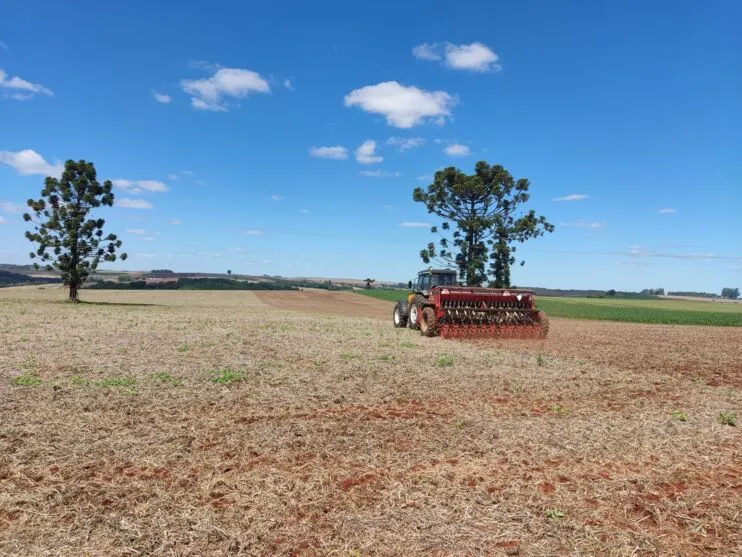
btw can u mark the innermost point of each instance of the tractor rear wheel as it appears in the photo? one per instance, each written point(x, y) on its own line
point(400, 319)
point(427, 322)
point(543, 321)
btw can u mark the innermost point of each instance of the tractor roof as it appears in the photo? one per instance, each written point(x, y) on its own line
point(437, 271)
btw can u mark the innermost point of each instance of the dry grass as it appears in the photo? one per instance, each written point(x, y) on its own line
point(209, 424)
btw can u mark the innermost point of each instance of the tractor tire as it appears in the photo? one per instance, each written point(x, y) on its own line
point(428, 322)
point(543, 321)
point(414, 317)
point(400, 318)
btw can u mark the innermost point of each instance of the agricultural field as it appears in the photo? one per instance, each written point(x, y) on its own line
point(302, 423)
point(632, 310)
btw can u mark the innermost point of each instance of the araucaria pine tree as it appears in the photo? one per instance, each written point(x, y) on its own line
point(68, 240)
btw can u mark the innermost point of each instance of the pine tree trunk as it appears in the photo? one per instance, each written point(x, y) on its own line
point(74, 298)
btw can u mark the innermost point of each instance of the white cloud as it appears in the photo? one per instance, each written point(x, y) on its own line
point(337, 152)
point(254, 232)
point(287, 83)
point(138, 185)
point(403, 107)
point(172, 176)
point(424, 178)
point(161, 98)
point(276, 197)
point(583, 224)
point(187, 172)
point(203, 105)
point(238, 250)
point(29, 162)
point(20, 89)
point(572, 197)
point(176, 221)
point(209, 254)
point(373, 173)
point(457, 150)
point(365, 153)
point(234, 83)
point(667, 211)
point(145, 254)
point(3, 220)
point(414, 224)
point(202, 183)
point(404, 143)
point(147, 238)
point(474, 57)
point(133, 204)
point(136, 231)
point(426, 52)
point(10, 207)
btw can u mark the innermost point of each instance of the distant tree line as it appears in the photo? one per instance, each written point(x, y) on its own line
point(8, 278)
point(693, 294)
point(192, 284)
point(731, 293)
point(653, 292)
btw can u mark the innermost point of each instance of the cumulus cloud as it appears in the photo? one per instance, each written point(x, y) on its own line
point(253, 232)
point(336, 152)
point(287, 83)
point(402, 106)
point(667, 211)
point(226, 84)
point(137, 186)
point(457, 150)
point(572, 197)
point(405, 143)
point(20, 89)
point(365, 154)
point(28, 162)
point(161, 98)
point(414, 224)
point(474, 57)
point(133, 204)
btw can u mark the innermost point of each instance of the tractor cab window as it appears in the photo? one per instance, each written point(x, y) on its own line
point(444, 280)
point(424, 282)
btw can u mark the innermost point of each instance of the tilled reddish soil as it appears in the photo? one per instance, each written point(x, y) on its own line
point(709, 354)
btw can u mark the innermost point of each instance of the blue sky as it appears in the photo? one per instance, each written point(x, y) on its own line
point(287, 137)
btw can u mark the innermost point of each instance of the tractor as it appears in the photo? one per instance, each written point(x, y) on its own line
point(438, 305)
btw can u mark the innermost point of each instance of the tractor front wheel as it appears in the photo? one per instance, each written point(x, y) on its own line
point(414, 318)
point(400, 319)
point(427, 322)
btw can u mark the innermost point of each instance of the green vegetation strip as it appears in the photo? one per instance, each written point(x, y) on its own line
point(658, 311)
point(637, 313)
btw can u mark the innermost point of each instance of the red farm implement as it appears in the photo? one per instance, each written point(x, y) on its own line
point(439, 307)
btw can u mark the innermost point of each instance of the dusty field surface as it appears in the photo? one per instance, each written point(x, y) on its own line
point(207, 423)
point(709, 354)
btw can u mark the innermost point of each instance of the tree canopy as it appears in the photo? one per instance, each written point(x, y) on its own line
point(483, 220)
point(732, 293)
point(67, 239)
